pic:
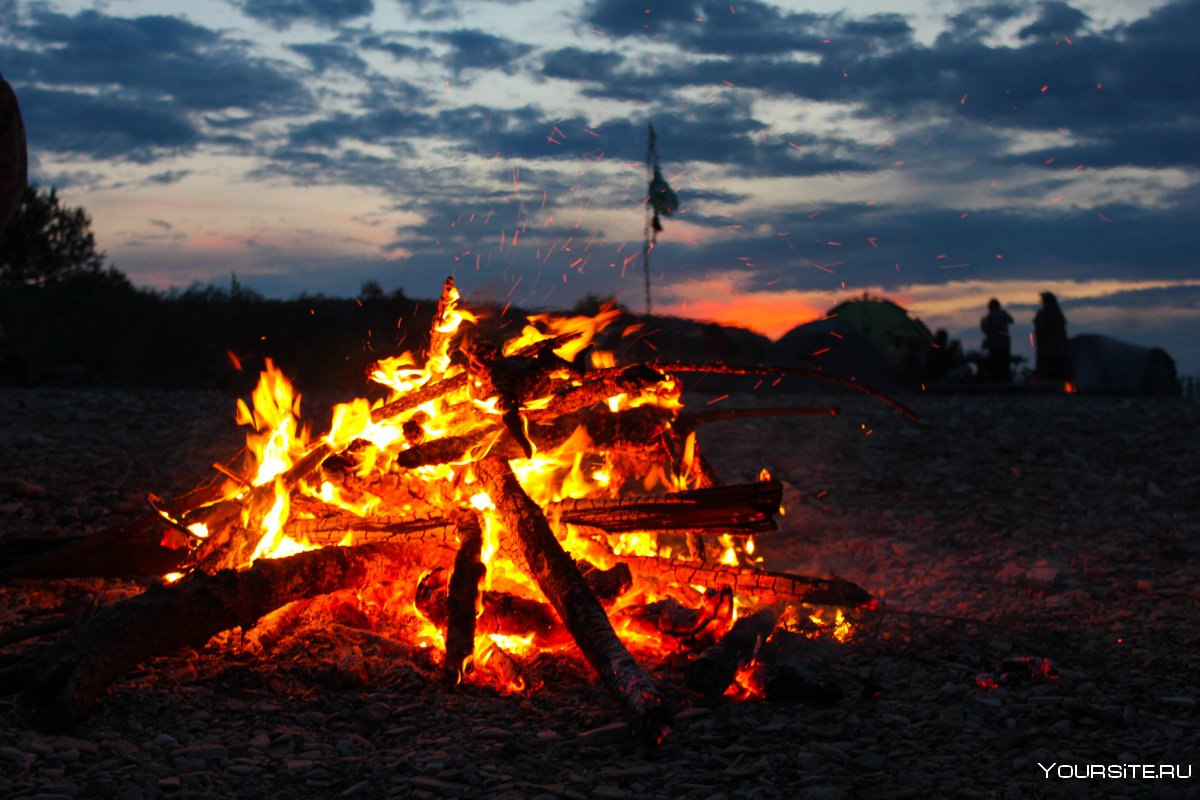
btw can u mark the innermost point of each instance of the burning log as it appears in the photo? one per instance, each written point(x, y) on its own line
point(755, 587)
point(740, 509)
point(747, 508)
point(461, 596)
point(793, 668)
point(559, 579)
point(65, 682)
point(712, 671)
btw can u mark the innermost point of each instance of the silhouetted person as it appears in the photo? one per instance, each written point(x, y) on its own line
point(13, 168)
point(1050, 339)
point(945, 362)
point(997, 342)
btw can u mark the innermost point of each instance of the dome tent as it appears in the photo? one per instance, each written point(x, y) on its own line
point(1103, 365)
point(836, 348)
point(882, 321)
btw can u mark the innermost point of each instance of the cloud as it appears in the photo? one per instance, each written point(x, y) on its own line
point(102, 127)
point(285, 13)
point(1056, 19)
point(474, 49)
point(324, 57)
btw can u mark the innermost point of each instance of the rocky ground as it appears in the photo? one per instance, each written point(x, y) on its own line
point(998, 527)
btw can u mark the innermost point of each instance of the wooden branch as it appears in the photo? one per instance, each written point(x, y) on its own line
point(712, 671)
point(461, 597)
point(747, 507)
point(126, 551)
point(636, 428)
point(753, 587)
point(559, 579)
point(66, 682)
point(417, 397)
point(719, 368)
point(327, 531)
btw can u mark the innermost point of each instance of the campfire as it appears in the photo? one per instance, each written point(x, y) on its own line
point(504, 501)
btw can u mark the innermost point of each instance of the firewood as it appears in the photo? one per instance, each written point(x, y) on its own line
point(67, 680)
point(712, 671)
point(431, 391)
point(125, 551)
point(559, 579)
point(325, 531)
point(794, 668)
point(499, 612)
point(740, 509)
point(749, 508)
point(755, 587)
point(461, 596)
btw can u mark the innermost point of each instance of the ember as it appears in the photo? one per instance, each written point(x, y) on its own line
point(516, 499)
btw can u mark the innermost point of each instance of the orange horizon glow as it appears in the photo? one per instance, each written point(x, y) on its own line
point(954, 305)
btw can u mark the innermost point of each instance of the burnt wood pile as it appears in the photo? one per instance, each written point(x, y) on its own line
point(514, 490)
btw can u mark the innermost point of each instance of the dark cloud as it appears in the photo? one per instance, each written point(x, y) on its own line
point(284, 13)
point(1055, 19)
point(324, 57)
point(169, 177)
point(473, 49)
point(396, 49)
point(101, 127)
point(577, 64)
point(157, 60)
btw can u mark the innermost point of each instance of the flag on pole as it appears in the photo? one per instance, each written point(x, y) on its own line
point(661, 201)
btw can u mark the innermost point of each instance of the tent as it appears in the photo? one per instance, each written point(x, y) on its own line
point(882, 321)
point(835, 347)
point(1103, 365)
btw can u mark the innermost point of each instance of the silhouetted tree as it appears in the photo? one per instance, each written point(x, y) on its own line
point(48, 243)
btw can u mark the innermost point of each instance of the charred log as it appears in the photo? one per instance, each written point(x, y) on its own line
point(755, 587)
point(560, 580)
point(67, 681)
point(461, 595)
point(712, 671)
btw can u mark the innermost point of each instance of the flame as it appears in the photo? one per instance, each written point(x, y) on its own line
point(370, 444)
point(279, 439)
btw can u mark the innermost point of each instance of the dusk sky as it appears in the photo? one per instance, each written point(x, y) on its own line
point(938, 153)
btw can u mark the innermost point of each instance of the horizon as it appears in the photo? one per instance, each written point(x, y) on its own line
point(936, 155)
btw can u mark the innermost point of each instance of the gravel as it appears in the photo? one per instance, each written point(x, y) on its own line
point(998, 528)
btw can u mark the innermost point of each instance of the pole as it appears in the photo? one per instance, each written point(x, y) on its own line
point(649, 230)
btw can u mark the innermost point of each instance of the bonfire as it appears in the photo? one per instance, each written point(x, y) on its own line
point(504, 500)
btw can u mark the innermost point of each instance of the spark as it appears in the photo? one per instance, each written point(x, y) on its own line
point(963, 101)
point(874, 241)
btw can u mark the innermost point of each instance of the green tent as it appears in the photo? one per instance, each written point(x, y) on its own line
point(882, 321)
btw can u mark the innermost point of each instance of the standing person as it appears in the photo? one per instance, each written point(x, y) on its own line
point(1050, 339)
point(13, 167)
point(997, 341)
